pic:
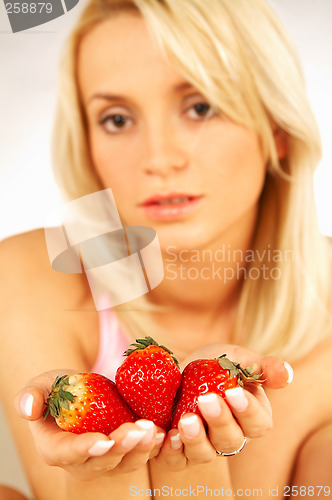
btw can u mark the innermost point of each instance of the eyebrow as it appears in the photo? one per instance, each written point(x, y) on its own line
point(106, 97)
point(184, 86)
point(118, 98)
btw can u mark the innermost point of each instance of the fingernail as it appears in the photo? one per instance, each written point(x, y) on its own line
point(290, 372)
point(190, 426)
point(237, 398)
point(176, 442)
point(148, 427)
point(26, 403)
point(100, 448)
point(160, 436)
point(209, 404)
point(133, 438)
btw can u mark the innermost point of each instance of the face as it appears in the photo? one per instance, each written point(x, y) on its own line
point(172, 162)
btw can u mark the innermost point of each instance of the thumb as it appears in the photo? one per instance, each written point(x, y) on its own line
point(277, 373)
point(29, 403)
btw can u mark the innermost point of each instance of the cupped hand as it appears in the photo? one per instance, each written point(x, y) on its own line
point(89, 455)
point(246, 413)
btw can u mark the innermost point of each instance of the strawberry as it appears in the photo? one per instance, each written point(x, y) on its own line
point(87, 402)
point(208, 375)
point(148, 380)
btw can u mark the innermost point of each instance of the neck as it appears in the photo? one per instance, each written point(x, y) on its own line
point(200, 292)
point(205, 279)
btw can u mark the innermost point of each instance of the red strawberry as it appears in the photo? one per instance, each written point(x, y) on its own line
point(148, 380)
point(208, 375)
point(87, 402)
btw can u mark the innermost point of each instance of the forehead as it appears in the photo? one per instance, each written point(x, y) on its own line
point(121, 50)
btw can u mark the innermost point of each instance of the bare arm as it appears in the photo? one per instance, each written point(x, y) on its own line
point(7, 493)
point(32, 334)
point(41, 323)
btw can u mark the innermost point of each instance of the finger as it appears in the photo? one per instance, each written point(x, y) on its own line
point(253, 418)
point(29, 401)
point(159, 441)
point(126, 439)
point(276, 372)
point(67, 449)
point(224, 432)
point(171, 455)
point(259, 393)
point(135, 447)
point(197, 446)
point(61, 448)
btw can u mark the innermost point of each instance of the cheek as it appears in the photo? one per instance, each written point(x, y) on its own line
point(111, 162)
point(238, 164)
point(249, 175)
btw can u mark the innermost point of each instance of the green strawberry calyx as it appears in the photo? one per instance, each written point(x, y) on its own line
point(58, 397)
point(141, 344)
point(242, 374)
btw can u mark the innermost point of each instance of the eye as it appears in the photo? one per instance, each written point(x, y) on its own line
point(115, 123)
point(201, 110)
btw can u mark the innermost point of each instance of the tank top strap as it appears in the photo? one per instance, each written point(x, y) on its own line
point(112, 344)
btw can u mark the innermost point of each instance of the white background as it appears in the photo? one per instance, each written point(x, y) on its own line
point(27, 96)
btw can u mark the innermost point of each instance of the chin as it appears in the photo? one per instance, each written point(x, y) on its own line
point(182, 238)
point(182, 235)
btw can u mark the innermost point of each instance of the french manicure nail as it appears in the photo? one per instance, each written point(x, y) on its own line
point(176, 442)
point(100, 448)
point(237, 398)
point(133, 438)
point(209, 404)
point(26, 404)
point(190, 426)
point(148, 427)
point(160, 436)
point(290, 372)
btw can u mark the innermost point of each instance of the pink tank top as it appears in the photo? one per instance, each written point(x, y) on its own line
point(112, 344)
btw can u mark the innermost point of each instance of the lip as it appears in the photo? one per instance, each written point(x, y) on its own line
point(157, 208)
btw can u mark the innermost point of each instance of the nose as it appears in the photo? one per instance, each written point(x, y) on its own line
point(164, 150)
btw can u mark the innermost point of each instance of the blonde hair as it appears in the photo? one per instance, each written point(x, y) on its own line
point(237, 54)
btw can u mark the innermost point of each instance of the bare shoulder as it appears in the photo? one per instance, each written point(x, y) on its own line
point(317, 361)
point(42, 327)
point(312, 377)
point(314, 462)
point(25, 264)
point(40, 306)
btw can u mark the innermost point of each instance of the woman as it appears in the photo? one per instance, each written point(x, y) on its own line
point(199, 124)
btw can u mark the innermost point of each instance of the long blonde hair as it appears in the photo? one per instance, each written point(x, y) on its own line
point(237, 54)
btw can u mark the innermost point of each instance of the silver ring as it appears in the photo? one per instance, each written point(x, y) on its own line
point(232, 453)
